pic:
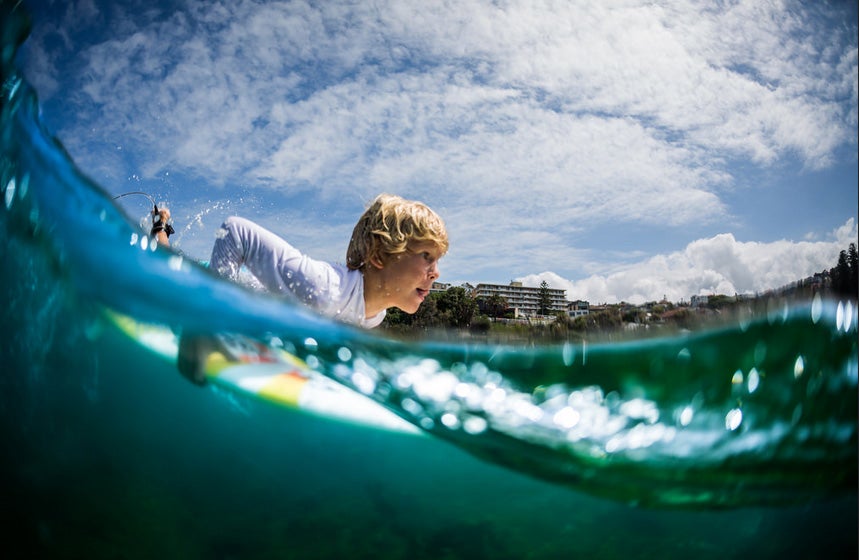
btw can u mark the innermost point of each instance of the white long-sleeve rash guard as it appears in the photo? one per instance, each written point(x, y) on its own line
point(331, 289)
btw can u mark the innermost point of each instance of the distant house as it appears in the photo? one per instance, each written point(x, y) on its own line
point(439, 287)
point(699, 301)
point(578, 308)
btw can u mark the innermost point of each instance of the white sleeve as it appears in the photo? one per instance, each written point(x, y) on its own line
point(279, 267)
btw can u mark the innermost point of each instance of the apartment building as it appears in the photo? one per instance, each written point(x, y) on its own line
point(525, 301)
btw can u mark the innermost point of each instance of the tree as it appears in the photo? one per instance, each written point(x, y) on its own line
point(493, 306)
point(427, 315)
point(457, 307)
point(853, 265)
point(545, 298)
point(604, 320)
point(841, 275)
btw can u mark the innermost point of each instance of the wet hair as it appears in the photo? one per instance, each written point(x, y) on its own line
point(387, 227)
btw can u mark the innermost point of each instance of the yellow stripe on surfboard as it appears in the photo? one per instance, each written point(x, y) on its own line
point(278, 377)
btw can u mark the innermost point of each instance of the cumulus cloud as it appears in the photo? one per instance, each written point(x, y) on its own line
point(716, 265)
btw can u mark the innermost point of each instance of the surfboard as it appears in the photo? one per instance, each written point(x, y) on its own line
point(247, 367)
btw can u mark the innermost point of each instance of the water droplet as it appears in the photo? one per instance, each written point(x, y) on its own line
point(640, 409)
point(311, 344)
point(15, 84)
point(412, 407)
point(450, 420)
point(134, 238)
point(567, 417)
point(798, 367)
point(403, 381)
point(474, 425)
point(733, 419)
point(363, 383)
point(754, 380)
point(10, 192)
point(816, 308)
point(686, 415)
point(25, 183)
point(344, 354)
point(567, 354)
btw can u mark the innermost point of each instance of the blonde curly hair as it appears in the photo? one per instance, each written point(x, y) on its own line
point(387, 227)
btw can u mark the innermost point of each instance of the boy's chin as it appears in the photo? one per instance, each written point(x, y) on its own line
point(410, 309)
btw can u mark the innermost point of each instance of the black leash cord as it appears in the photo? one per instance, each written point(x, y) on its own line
point(157, 226)
point(141, 193)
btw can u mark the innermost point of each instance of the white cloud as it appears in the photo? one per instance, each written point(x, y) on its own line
point(231, 90)
point(716, 265)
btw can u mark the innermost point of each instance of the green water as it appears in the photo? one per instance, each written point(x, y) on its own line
point(112, 455)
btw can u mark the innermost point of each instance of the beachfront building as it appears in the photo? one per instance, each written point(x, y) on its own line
point(578, 308)
point(523, 300)
point(440, 287)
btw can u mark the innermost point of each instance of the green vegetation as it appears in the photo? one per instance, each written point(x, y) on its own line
point(844, 275)
point(454, 308)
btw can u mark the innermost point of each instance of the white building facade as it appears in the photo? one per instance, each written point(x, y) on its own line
point(524, 300)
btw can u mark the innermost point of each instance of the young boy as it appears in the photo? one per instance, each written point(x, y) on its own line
point(391, 261)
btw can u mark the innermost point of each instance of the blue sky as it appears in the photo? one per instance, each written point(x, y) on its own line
point(624, 150)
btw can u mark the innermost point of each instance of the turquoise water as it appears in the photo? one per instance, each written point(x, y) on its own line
point(737, 442)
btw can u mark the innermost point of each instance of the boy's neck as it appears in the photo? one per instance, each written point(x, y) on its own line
point(374, 301)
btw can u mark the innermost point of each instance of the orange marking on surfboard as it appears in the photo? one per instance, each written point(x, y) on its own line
point(284, 387)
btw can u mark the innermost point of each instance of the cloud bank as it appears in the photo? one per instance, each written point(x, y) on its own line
point(717, 265)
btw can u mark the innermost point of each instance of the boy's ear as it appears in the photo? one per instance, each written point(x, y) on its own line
point(376, 261)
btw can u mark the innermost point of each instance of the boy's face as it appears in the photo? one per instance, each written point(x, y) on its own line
point(408, 277)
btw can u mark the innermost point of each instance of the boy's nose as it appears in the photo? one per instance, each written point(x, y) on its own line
point(433, 271)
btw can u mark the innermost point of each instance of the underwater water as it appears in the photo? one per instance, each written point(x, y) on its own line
point(738, 442)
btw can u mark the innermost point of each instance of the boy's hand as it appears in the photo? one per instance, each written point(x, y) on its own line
point(161, 227)
point(161, 217)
